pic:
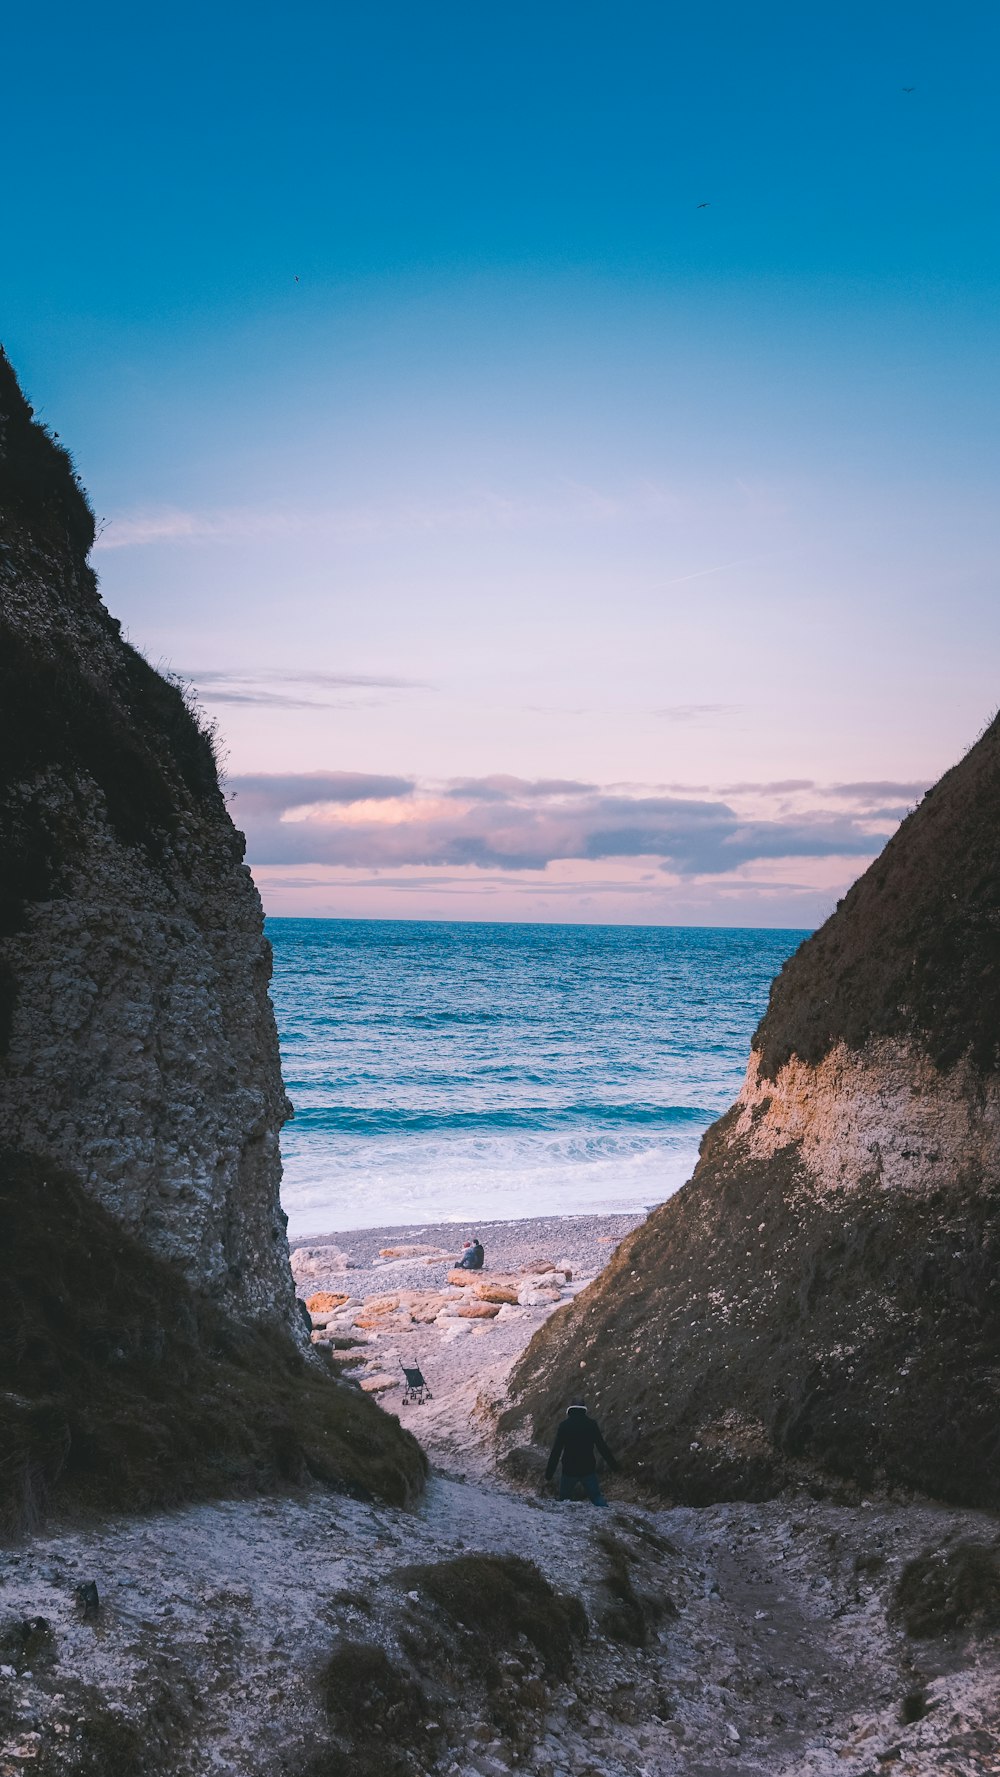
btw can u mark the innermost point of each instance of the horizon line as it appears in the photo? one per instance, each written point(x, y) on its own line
point(546, 924)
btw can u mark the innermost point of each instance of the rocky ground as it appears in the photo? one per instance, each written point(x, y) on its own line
point(321, 1635)
point(400, 1308)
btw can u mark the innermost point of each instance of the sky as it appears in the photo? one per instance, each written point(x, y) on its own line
point(556, 442)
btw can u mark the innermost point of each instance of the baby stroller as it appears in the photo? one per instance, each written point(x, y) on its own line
point(416, 1388)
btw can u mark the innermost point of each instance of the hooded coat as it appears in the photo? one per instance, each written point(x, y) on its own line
point(575, 1444)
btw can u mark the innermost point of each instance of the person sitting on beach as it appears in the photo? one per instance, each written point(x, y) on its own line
point(473, 1255)
point(575, 1442)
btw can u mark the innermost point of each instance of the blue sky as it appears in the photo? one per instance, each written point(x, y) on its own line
point(539, 473)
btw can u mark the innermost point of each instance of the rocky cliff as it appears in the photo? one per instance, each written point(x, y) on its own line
point(139, 1045)
point(140, 1086)
point(822, 1300)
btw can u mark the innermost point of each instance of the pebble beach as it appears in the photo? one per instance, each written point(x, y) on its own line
point(381, 1299)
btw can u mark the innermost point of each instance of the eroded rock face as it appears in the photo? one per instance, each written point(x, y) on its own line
point(823, 1298)
point(137, 1041)
point(884, 1115)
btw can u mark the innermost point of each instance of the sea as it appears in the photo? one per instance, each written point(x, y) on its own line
point(463, 1072)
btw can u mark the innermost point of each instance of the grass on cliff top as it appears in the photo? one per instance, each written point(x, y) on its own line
point(913, 950)
point(121, 1389)
point(38, 483)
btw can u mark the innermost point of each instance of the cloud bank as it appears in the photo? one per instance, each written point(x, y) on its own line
point(503, 823)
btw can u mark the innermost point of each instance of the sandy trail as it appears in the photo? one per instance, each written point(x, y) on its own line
point(768, 1646)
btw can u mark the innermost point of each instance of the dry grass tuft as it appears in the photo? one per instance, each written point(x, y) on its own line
point(947, 1589)
point(498, 1598)
point(378, 1713)
point(631, 1615)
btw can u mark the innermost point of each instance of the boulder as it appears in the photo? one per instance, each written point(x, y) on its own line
point(463, 1279)
point(379, 1383)
point(428, 1308)
point(478, 1311)
point(525, 1464)
point(415, 1305)
point(327, 1318)
point(499, 1291)
point(310, 1263)
point(324, 1301)
point(532, 1295)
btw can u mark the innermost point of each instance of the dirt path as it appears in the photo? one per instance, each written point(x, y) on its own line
point(777, 1661)
point(736, 1641)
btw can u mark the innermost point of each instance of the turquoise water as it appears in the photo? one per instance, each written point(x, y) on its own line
point(448, 1071)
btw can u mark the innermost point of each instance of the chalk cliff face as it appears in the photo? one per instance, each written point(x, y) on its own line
point(823, 1298)
point(151, 1349)
point(137, 1041)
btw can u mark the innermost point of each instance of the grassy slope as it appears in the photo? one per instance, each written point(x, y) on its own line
point(748, 1335)
point(122, 1389)
point(750, 1332)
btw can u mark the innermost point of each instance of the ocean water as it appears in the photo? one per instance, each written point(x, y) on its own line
point(460, 1071)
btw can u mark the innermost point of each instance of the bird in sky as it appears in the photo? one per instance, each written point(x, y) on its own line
point(909, 89)
point(296, 277)
point(703, 206)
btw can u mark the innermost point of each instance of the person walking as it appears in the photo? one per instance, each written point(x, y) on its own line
point(576, 1440)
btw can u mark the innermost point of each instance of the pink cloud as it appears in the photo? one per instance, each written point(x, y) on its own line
point(361, 821)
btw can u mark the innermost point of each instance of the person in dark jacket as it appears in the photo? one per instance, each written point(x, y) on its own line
point(473, 1255)
point(576, 1441)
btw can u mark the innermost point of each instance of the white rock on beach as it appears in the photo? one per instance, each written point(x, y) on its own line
point(312, 1263)
point(535, 1295)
